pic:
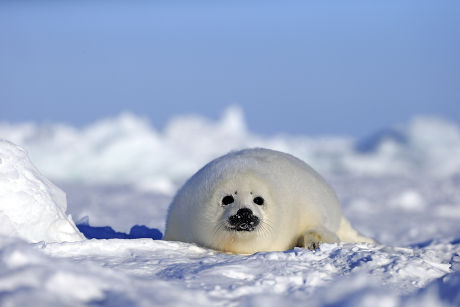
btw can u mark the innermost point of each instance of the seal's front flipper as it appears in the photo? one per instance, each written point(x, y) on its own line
point(314, 236)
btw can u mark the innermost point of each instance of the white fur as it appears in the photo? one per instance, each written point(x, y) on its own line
point(300, 208)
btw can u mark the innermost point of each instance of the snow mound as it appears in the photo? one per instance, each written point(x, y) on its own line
point(31, 207)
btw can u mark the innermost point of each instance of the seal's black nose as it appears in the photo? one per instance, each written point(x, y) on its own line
point(243, 220)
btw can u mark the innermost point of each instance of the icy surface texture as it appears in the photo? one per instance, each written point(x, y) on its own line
point(144, 272)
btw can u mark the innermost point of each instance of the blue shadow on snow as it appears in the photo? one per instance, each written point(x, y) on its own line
point(107, 232)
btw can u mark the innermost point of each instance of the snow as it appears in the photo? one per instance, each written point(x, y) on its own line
point(31, 207)
point(400, 186)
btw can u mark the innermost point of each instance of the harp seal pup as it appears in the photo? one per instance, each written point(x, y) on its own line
point(257, 200)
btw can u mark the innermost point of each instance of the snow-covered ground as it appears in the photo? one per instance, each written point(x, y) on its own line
point(400, 186)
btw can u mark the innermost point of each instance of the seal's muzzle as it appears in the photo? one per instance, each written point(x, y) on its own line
point(243, 220)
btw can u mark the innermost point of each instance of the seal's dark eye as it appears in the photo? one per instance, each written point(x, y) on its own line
point(258, 200)
point(227, 200)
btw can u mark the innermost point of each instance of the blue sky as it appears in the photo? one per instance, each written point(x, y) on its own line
point(301, 67)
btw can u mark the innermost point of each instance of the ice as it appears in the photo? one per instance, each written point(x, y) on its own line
point(400, 186)
point(31, 207)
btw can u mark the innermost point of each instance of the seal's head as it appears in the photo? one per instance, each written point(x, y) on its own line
point(231, 214)
point(240, 220)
